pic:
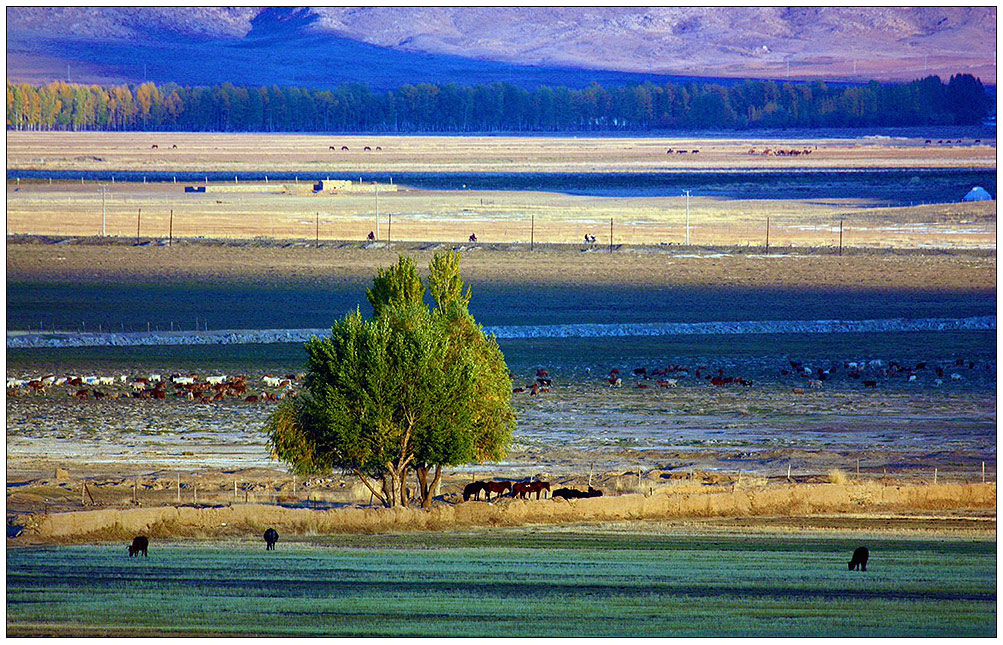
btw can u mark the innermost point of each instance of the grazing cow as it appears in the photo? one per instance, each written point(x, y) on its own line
point(694, 151)
point(139, 545)
point(153, 147)
point(379, 148)
point(344, 148)
point(331, 148)
point(473, 490)
point(498, 488)
point(534, 389)
point(859, 561)
point(368, 149)
point(271, 537)
point(174, 147)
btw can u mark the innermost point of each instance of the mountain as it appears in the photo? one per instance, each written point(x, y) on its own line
point(385, 47)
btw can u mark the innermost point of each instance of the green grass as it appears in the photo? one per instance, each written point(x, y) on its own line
point(511, 582)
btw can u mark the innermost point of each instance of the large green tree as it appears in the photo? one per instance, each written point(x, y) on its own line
point(412, 388)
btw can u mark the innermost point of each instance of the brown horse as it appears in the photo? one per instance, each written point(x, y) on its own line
point(498, 488)
point(524, 489)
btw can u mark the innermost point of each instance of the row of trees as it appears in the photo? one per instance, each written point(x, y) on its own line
point(428, 107)
point(411, 389)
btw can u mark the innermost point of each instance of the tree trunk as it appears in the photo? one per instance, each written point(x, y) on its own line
point(427, 489)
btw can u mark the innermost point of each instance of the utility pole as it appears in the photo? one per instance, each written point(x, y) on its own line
point(687, 217)
point(103, 189)
point(768, 241)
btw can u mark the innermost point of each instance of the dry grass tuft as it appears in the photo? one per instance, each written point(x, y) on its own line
point(837, 476)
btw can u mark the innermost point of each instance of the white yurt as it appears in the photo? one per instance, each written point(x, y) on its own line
point(977, 194)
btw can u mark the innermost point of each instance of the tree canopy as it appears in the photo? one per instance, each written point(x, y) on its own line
point(413, 388)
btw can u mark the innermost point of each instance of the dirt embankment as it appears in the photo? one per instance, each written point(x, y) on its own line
point(685, 501)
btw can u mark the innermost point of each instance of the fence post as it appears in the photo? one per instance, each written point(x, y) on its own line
point(179, 474)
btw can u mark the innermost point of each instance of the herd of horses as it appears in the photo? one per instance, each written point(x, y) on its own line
point(522, 490)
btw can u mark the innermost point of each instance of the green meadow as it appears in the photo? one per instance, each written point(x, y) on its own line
point(509, 582)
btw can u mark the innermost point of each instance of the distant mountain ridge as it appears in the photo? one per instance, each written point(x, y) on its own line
point(388, 46)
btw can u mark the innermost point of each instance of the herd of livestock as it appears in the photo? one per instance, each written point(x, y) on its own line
point(211, 389)
point(191, 386)
point(523, 490)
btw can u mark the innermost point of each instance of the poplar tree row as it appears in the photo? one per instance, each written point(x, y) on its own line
point(432, 107)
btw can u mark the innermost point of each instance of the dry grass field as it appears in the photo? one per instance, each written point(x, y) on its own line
point(81, 209)
point(290, 210)
point(292, 152)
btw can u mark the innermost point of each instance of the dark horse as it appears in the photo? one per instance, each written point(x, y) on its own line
point(571, 493)
point(498, 488)
point(473, 490)
point(271, 537)
point(139, 545)
point(524, 489)
point(859, 559)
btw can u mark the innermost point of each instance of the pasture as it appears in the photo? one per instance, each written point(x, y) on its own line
point(533, 582)
point(312, 153)
point(795, 212)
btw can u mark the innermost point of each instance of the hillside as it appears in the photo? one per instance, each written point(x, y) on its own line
point(387, 46)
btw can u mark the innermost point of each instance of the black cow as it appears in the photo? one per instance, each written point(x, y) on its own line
point(139, 545)
point(859, 559)
point(271, 537)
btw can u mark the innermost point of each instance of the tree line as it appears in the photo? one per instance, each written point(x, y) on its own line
point(448, 107)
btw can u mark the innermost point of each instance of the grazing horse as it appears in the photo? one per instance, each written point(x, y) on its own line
point(524, 489)
point(860, 555)
point(153, 147)
point(331, 148)
point(473, 490)
point(498, 488)
point(571, 493)
point(473, 237)
point(139, 544)
point(271, 537)
point(344, 147)
point(367, 148)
